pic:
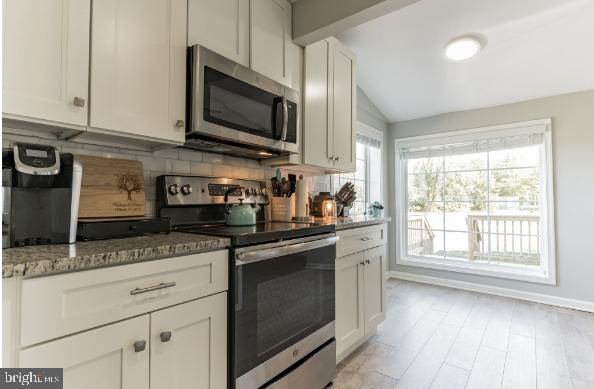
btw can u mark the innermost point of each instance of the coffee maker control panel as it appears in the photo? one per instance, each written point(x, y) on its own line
point(36, 159)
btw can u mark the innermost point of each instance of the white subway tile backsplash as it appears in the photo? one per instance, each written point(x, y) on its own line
point(152, 163)
point(200, 169)
point(190, 155)
point(223, 171)
point(212, 158)
point(177, 166)
point(166, 153)
point(174, 161)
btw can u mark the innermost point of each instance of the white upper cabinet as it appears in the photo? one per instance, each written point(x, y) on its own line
point(138, 68)
point(270, 40)
point(46, 59)
point(222, 26)
point(344, 106)
point(330, 106)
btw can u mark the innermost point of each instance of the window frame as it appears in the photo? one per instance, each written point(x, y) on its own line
point(546, 273)
point(377, 135)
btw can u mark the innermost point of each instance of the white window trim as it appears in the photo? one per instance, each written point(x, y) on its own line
point(547, 274)
point(375, 134)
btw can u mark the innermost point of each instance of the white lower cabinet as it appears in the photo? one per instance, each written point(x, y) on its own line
point(350, 326)
point(104, 358)
point(374, 279)
point(185, 344)
point(151, 325)
point(360, 297)
point(189, 345)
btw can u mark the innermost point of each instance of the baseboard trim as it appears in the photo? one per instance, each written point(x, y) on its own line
point(579, 305)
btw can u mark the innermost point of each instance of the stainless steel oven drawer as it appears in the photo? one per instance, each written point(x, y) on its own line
point(316, 372)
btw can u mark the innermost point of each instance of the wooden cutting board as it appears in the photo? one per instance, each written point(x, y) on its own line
point(111, 188)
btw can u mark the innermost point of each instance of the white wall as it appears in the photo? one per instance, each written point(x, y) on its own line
point(573, 160)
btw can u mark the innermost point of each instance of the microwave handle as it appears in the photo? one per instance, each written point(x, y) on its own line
point(285, 119)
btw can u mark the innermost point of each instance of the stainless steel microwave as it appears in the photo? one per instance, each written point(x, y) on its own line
point(235, 110)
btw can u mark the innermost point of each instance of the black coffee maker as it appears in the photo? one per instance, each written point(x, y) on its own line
point(41, 195)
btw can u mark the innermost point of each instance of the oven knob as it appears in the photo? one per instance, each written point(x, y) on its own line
point(173, 189)
point(186, 189)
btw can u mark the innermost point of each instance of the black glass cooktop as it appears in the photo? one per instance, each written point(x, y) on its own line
point(260, 232)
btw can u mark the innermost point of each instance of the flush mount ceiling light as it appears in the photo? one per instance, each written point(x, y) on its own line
point(462, 48)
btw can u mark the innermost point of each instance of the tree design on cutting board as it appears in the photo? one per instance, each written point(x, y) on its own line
point(128, 183)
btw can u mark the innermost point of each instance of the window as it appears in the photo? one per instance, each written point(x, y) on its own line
point(478, 201)
point(368, 176)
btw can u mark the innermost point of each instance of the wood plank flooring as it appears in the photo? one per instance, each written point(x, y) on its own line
point(435, 337)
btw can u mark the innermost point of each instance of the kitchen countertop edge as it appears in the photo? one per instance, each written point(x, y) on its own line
point(347, 223)
point(38, 261)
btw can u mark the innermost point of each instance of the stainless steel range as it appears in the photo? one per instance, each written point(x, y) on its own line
point(281, 282)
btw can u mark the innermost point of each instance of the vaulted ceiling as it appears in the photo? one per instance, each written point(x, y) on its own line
point(534, 48)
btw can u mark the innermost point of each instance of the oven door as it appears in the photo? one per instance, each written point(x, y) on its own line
point(284, 306)
point(233, 103)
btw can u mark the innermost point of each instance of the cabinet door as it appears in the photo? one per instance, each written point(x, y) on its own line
point(138, 67)
point(195, 355)
point(221, 26)
point(350, 325)
point(270, 22)
point(375, 291)
point(104, 358)
point(317, 122)
point(343, 106)
point(46, 59)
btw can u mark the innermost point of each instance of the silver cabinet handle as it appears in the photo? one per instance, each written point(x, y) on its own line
point(165, 336)
point(79, 102)
point(162, 285)
point(366, 238)
point(139, 346)
point(367, 261)
point(179, 123)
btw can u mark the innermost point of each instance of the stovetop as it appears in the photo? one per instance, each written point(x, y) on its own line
point(261, 232)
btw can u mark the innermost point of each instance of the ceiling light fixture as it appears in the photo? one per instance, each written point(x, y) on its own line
point(462, 48)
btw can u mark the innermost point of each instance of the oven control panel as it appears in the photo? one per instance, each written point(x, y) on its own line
point(192, 190)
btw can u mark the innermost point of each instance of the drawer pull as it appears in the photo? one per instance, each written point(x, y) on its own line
point(366, 238)
point(139, 346)
point(367, 261)
point(165, 336)
point(162, 285)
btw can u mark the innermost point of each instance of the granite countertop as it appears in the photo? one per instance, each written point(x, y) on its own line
point(33, 261)
point(345, 223)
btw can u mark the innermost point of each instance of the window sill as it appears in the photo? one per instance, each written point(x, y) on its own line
point(539, 276)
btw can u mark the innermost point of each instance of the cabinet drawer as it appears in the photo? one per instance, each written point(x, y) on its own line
point(73, 302)
point(359, 239)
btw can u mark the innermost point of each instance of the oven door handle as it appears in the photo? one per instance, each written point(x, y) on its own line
point(262, 255)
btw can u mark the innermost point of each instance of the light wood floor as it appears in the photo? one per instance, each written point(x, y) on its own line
point(437, 337)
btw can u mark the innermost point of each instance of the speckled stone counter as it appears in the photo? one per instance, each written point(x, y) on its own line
point(33, 261)
point(345, 223)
